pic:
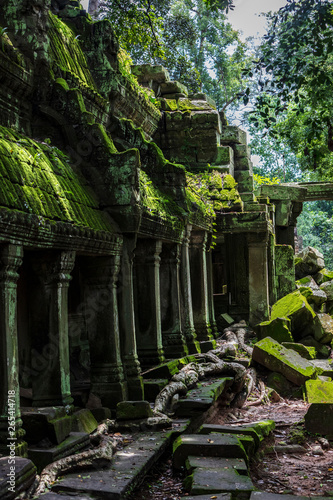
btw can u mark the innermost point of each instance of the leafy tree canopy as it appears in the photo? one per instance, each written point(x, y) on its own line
point(293, 78)
point(190, 37)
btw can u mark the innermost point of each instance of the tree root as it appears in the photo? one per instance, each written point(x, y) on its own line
point(258, 401)
point(107, 445)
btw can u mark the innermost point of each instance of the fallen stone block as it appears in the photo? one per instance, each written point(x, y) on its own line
point(75, 442)
point(101, 413)
point(221, 496)
point(277, 329)
point(227, 429)
point(304, 320)
point(308, 261)
point(277, 358)
point(50, 422)
point(321, 350)
point(306, 352)
point(327, 287)
point(167, 370)
point(238, 464)
point(223, 445)
point(84, 421)
point(14, 481)
point(327, 329)
point(322, 276)
point(219, 481)
point(319, 419)
point(318, 391)
point(152, 387)
point(201, 397)
point(131, 410)
point(315, 297)
point(280, 384)
point(324, 365)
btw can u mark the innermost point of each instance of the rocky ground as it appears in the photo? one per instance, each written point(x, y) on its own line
point(290, 461)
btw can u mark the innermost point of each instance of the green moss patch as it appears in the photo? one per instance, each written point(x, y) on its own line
point(38, 179)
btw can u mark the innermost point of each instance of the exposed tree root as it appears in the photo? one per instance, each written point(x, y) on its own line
point(99, 456)
point(261, 397)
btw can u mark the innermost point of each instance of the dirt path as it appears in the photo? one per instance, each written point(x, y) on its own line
point(309, 473)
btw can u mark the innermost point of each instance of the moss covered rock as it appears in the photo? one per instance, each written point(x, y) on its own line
point(277, 358)
point(304, 320)
point(323, 275)
point(278, 329)
point(308, 262)
point(306, 352)
point(318, 391)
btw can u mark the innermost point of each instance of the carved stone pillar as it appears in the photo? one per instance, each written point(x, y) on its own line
point(258, 279)
point(11, 432)
point(101, 309)
point(173, 339)
point(50, 353)
point(199, 285)
point(186, 296)
point(127, 323)
point(211, 311)
point(147, 302)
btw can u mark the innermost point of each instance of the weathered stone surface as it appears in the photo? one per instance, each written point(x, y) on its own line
point(277, 328)
point(306, 352)
point(148, 72)
point(280, 384)
point(254, 431)
point(172, 88)
point(327, 287)
point(318, 391)
point(309, 261)
point(15, 476)
point(201, 397)
point(238, 464)
point(263, 495)
point(323, 275)
point(325, 365)
point(304, 320)
point(224, 445)
point(219, 481)
point(76, 441)
point(311, 291)
point(152, 387)
point(125, 472)
point(46, 422)
point(233, 135)
point(275, 357)
point(84, 421)
point(131, 410)
point(321, 350)
point(101, 413)
point(284, 270)
point(319, 419)
point(327, 324)
point(220, 496)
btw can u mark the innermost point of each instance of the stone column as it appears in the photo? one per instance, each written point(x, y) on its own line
point(200, 290)
point(186, 296)
point(258, 278)
point(107, 375)
point(50, 354)
point(173, 339)
point(127, 323)
point(147, 302)
point(11, 432)
point(211, 311)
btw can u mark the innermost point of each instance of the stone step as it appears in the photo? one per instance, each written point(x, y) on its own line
point(46, 422)
point(125, 472)
point(16, 475)
point(76, 441)
point(258, 430)
point(238, 464)
point(220, 445)
point(219, 481)
point(202, 397)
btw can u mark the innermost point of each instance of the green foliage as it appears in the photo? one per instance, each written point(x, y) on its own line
point(189, 37)
point(315, 225)
point(260, 180)
point(293, 75)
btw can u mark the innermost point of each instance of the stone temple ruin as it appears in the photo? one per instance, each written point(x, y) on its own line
point(130, 230)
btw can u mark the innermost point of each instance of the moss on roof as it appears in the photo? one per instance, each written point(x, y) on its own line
point(66, 52)
point(37, 178)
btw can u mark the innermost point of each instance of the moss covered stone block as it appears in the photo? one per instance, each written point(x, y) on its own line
point(326, 335)
point(219, 481)
point(327, 287)
point(280, 384)
point(84, 421)
point(309, 262)
point(315, 297)
point(306, 352)
point(318, 391)
point(277, 358)
point(322, 350)
point(223, 445)
point(323, 275)
point(304, 320)
point(132, 410)
point(278, 329)
point(319, 419)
